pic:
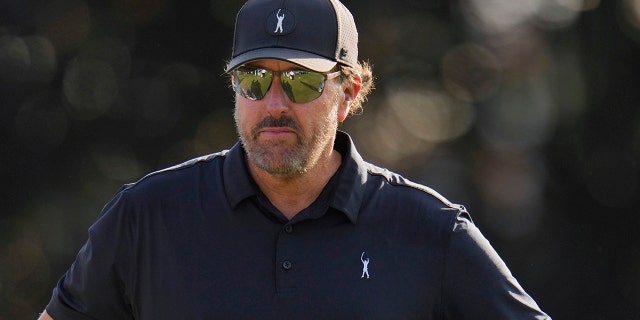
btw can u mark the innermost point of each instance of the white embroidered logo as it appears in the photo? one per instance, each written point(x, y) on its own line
point(365, 266)
point(280, 20)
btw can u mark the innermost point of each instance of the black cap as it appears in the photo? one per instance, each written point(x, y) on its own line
point(315, 34)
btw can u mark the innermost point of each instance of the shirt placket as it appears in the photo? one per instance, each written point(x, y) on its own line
point(287, 259)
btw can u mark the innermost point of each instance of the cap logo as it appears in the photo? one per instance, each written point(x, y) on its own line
point(281, 22)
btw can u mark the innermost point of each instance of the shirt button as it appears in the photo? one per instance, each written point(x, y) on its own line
point(286, 265)
point(288, 228)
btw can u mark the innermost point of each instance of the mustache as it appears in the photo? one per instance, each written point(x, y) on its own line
point(271, 122)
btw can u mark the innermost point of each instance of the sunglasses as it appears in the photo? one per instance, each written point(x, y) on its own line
point(301, 86)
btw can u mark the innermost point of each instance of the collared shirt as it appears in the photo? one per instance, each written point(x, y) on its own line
point(200, 241)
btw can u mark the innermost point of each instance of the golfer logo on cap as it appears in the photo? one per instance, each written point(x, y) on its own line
point(280, 22)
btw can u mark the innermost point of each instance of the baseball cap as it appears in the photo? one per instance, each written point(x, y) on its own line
point(315, 34)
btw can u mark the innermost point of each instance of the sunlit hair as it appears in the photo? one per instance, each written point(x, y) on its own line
point(365, 70)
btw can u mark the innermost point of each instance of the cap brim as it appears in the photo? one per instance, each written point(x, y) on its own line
point(304, 59)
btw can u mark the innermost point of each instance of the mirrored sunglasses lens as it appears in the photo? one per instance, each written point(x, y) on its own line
point(302, 86)
point(252, 84)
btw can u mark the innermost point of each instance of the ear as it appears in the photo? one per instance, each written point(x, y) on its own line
point(351, 90)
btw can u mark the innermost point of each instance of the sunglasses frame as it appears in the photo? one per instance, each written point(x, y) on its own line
point(279, 74)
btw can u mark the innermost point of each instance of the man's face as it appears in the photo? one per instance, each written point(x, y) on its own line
point(285, 138)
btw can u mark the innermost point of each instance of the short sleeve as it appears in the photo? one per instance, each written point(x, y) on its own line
point(477, 281)
point(94, 287)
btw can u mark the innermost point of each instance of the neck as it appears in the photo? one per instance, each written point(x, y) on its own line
point(292, 194)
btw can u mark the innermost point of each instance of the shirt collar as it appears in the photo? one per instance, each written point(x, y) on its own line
point(238, 185)
point(350, 183)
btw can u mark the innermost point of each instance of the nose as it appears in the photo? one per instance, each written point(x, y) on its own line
point(276, 99)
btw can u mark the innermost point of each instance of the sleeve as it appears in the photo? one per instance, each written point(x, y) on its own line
point(477, 281)
point(94, 286)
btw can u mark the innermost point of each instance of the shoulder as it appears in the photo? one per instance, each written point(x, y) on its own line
point(395, 202)
point(168, 191)
point(167, 187)
point(371, 193)
point(394, 186)
point(172, 179)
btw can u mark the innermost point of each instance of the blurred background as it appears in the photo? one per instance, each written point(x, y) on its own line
point(527, 112)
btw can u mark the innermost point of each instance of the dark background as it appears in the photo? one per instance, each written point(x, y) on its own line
point(526, 112)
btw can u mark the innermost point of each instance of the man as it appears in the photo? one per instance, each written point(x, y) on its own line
point(278, 226)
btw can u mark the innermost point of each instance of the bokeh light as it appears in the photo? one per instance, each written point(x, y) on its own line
point(116, 161)
point(427, 115)
point(629, 18)
point(27, 59)
point(496, 16)
point(14, 58)
point(499, 16)
point(110, 50)
point(511, 185)
point(557, 14)
point(66, 23)
point(91, 87)
point(470, 72)
point(518, 118)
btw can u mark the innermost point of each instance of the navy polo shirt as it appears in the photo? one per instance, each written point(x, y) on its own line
point(200, 241)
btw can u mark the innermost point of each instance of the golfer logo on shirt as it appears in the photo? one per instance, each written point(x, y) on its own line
point(365, 266)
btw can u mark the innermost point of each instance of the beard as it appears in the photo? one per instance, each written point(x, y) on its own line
point(284, 158)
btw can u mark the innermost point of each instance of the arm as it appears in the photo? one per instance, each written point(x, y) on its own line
point(477, 281)
point(45, 316)
point(94, 284)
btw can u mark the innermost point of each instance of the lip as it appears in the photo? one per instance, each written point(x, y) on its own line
point(276, 132)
